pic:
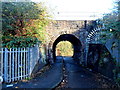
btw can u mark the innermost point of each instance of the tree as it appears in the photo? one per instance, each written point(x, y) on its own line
point(18, 15)
point(112, 21)
point(23, 19)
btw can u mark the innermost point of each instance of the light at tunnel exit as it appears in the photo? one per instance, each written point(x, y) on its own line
point(64, 48)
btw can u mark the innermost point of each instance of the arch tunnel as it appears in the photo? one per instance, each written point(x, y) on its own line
point(73, 40)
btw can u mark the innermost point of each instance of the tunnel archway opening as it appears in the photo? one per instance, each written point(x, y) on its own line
point(73, 40)
point(64, 48)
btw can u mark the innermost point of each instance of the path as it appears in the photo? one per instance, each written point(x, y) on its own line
point(78, 77)
point(49, 79)
point(66, 74)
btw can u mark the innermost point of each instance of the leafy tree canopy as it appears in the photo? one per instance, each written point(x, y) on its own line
point(27, 19)
point(111, 21)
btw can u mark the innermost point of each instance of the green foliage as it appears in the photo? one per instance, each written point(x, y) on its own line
point(104, 35)
point(111, 22)
point(64, 48)
point(14, 15)
point(28, 78)
point(118, 81)
point(13, 42)
point(116, 72)
point(104, 54)
point(101, 63)
point(23, 21)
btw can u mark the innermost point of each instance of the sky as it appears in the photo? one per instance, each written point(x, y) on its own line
point(78, 9)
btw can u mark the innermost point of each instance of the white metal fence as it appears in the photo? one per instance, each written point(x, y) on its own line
point(18, 63)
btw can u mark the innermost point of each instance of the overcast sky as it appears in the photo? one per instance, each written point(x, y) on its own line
point(78, 9)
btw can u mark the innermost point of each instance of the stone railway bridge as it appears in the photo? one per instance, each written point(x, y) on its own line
point(89, 50)
point(75, 32)
point(84, 35)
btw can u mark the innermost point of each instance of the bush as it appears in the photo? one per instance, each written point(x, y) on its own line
point(111, 21)
point(14, 42)
point(23, 23)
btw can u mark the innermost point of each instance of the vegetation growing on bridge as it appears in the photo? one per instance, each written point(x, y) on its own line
point(111, 22)
point(23, 23)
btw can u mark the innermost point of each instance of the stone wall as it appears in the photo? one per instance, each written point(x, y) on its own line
point(95, 58)
point(100, 60)
point(113, 45)
point(59, 27)
point(37, 58)
point(78, 28)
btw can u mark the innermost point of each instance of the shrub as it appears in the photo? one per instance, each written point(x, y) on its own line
point(13, 42)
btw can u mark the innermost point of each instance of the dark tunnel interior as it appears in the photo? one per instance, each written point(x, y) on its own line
point(71, 38)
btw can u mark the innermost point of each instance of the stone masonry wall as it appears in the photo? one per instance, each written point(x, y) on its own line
point(78, 28)
point(59, 27)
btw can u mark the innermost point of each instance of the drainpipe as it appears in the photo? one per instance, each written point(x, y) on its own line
point(85, 24)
